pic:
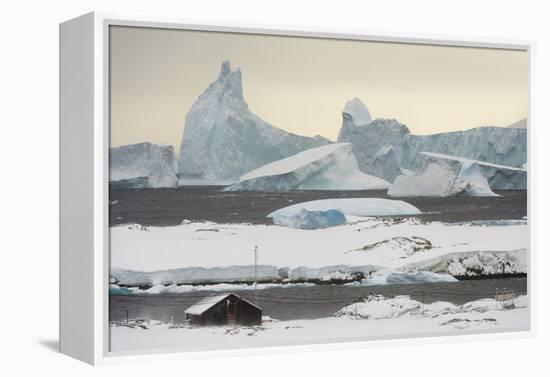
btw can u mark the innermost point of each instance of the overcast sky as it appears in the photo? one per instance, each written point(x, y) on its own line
point(302, 84)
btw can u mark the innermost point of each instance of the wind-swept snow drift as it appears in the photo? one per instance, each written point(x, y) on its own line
point(223, 140)
point(330, 167)
point(143, 165)
point(441, 177)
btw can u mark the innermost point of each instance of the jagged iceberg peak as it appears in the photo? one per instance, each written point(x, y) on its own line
point(223, 139)
point(227, 89)
point(358, 112)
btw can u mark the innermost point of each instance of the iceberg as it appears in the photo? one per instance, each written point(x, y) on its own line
point(442, 177)
point(329, 167)
point(519, 124)
point(499, 177)
point(385, 164)
point(363, 207)
point(305, 219)
point(370, 142)
point(143, 165)
point(494, 145)
point(223, 139)
point(357, 111)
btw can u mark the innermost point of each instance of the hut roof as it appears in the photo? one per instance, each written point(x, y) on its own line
point(206, 303)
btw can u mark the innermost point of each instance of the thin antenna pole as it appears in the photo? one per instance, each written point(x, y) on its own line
point(255, 269)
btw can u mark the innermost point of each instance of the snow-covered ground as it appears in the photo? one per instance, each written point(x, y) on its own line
point(202, 251)
point(377, 318)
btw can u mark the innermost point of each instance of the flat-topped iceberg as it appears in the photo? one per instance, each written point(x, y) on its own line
point(143, 165)
point(329, 167)
point(363, 207)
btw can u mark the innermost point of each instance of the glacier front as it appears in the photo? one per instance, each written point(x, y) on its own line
point(329, 167)
point(143, 165)
point(223, 139)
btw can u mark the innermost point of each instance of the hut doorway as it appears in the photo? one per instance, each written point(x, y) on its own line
point(231, 313)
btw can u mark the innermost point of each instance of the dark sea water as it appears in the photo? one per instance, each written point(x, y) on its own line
point(164, 207)
point(309, 302)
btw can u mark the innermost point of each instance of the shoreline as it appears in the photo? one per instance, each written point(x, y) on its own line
point(303, 283)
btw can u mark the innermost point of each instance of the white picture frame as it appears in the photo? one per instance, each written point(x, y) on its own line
point(84, 143)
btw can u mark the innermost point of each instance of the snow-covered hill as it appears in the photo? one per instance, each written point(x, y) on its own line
point(223, 139)
point(143, 165)
point(329, 167)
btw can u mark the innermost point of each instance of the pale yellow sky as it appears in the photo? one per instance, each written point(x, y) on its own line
point(302, 84)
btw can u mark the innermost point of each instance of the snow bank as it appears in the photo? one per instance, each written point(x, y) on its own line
point(389, 277)
point(116, 290)
point(379, 307)
point(329, 167)
point(305, 219)
point(475, 263)
point(194, 275)
point(352, 206)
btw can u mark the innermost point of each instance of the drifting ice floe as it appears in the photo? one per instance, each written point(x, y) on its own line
point(363, 207)
point(305, 219)
point(330, 167)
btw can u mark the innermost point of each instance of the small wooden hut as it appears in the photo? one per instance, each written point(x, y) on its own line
point(224, 309)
